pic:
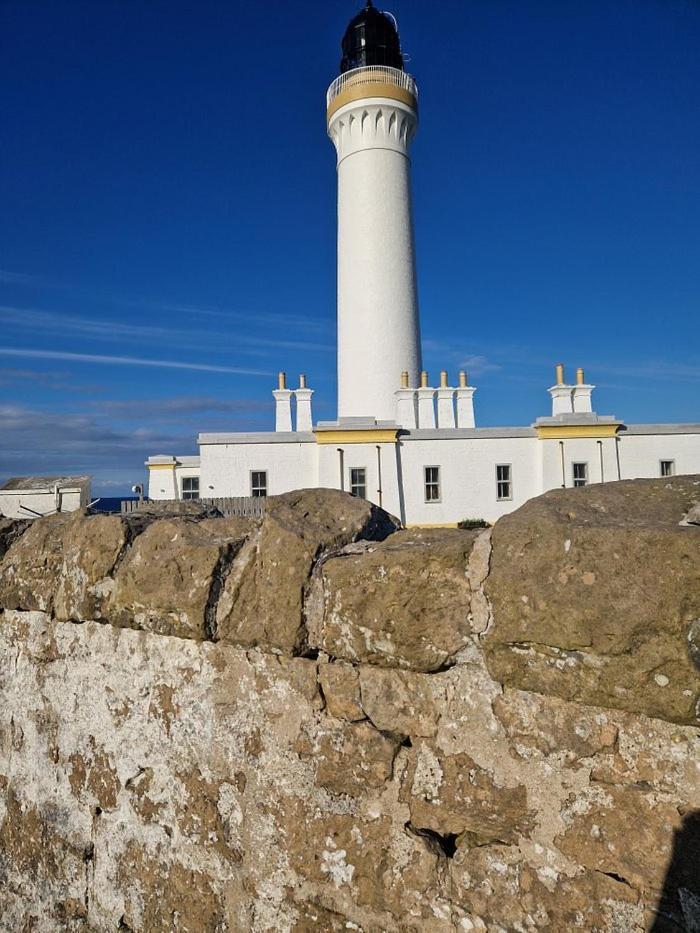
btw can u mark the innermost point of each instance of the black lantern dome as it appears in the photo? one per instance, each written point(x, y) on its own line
point(371, 39)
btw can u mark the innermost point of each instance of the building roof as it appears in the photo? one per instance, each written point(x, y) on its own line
point(44, 483)
point(266, 437)
point(660, 429)
point(167, 459)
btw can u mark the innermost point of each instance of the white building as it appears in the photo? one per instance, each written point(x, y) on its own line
point(410, 447)
point(35, 496)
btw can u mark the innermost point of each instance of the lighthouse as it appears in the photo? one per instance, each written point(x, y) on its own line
point(372, 117)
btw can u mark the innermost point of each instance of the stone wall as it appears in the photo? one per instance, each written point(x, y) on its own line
point(319, 722)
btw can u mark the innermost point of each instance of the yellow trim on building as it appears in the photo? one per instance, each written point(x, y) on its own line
point(435, 525)
point(358, 436)
point(561, 432)
point(369, 90)
point(162, 466)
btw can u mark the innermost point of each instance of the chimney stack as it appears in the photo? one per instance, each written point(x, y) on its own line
point(283, 404)
point(562, 394)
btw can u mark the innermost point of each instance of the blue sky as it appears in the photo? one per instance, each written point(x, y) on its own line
point(167, 195)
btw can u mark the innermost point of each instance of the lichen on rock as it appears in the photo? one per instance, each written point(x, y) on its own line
point(318, 722)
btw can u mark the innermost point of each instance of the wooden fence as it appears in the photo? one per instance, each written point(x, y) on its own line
point(246, 506)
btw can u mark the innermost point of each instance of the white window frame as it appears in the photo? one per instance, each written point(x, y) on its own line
point(577, 483)
point(500, 482)
point(352, 486)
point(662, 464)
point(432, 483)
point(258, 491)
point(186, 494)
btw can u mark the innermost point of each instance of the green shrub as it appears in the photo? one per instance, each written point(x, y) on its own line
point(469, 523)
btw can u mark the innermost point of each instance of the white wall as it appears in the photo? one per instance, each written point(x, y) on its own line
point(640, 454)
point(468, 477)
point(42, 502)
point(226, 468)
point(467, 469)
point(577, 450)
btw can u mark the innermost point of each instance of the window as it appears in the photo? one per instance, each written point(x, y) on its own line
point(432, 484)
point(358, 482)
point(504, 488)
point(258, 484)
point(190, 487)
point(668, 468)
point(580, 473)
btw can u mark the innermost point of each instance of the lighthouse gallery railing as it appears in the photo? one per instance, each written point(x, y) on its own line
point(371, 74)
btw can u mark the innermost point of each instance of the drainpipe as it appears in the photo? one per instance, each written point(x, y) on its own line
point(600, 455)
point(379, 473)
point(617, 455)
point(341, 468)
point(563, 465)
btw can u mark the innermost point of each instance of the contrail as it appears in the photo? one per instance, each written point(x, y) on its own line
point(127, 361)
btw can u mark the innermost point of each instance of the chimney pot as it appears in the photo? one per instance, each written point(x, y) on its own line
point(404, 379)
point(560, 374)
point(281, 380)
point(463, 382)
point(302, 381)
point(443, 379)
point(580, 377)
point(424, 380)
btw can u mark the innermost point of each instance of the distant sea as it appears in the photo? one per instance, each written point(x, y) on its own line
point(111, 503)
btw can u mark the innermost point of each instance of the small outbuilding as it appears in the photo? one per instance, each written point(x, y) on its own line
point(35, 496)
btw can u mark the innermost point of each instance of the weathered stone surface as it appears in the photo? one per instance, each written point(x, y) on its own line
point(263, 599)
point(30, 571)
point(351, 758)
point(172, 571)
point(64, 563)
point(150, 782)
point(135, 768)
point(452, 795)
point(499, 891)
point(402, 603)
point(399, 701)
point(10, 530)
point(340, 684)
point(594, 594)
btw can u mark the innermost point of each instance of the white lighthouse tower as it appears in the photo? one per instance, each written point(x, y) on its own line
point(372, 114)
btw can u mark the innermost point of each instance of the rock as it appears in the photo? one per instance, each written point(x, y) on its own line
point(150, 781)
point(452, 796)
point(499, 890)
point(170, 508)
point(401, 603)
point(10, 530)
point(341, 688)
point(30, 572)
point(552, 726)
point(399, 701)
point(63, 563)
point(594, 594)
point(626, 832)
point(170, 578)
point(91, 548)
point(263, 598)
point(693, 516)
point(352, 758)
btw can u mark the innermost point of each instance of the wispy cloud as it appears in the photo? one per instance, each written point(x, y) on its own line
point(664, 370)
point(56, 381)
point(476, 365)
point(167, 409)
point(99, 328)
point(126, 361)
point(18, 278)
